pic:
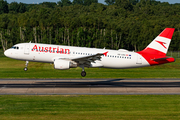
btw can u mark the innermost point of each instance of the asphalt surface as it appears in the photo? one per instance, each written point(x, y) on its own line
point(89, 86)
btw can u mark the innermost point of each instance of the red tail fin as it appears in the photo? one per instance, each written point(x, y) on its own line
point(155, 52)
point(161, 43)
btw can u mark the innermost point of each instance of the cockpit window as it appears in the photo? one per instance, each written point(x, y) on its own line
point(15, 47)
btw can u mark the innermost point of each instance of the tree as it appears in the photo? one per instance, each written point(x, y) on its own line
point(89, 2)
point(49, 4)
point(17, 8)
point(109, 2)
point(14, 6)
point(142, 2)
point(124, 4)
point(154, 2)
point(22, 8)
point(134, 2)
point(3, 7)
point(81, 2)
point(64, 3)
point(126, 24)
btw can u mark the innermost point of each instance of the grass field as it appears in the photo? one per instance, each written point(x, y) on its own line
point(129, 107)
point(10, 68)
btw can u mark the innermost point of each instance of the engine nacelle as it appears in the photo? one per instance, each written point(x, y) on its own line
point(63, 64)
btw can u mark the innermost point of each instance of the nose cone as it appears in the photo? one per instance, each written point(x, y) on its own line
point(6, 53)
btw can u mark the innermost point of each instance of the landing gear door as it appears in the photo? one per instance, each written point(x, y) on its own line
point(26, 50)
point(139, 59)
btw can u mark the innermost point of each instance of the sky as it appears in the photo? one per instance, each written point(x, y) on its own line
point(100, 1)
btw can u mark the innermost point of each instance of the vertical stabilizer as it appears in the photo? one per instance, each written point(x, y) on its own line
point(155, 52)
point(161, 43)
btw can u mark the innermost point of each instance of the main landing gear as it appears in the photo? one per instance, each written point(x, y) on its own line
point(25, 69)
point(83, 73)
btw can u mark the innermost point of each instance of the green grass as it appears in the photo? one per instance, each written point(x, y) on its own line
point(10, 68)
point(90, 107)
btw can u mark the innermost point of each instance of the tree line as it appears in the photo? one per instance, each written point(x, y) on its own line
point(120, 24)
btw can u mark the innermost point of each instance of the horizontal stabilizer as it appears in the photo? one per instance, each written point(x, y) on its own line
point(165, 59)
point(159, 59)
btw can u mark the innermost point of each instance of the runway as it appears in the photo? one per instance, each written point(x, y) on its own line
point(89, 86)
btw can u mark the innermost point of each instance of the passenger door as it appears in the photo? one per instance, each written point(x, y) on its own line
point(26, 49)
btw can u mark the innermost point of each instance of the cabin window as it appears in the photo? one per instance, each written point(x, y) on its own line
point(15, 47)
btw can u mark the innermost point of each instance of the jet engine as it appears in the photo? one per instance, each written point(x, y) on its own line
point(64, 64)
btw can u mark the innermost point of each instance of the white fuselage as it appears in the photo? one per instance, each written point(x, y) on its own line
point(47, 53)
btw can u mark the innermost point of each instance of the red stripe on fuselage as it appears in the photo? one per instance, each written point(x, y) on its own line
point(150, 54)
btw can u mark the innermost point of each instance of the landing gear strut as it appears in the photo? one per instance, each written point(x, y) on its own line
point(25, 69)
point(83, 73)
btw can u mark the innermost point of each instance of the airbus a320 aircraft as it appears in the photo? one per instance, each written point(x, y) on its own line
point(66, 57)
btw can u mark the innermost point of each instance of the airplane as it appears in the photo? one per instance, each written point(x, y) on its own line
point(66, 57)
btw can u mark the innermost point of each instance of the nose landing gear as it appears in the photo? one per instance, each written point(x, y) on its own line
point(25, 69)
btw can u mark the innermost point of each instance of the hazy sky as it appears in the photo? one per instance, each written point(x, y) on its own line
point(100, 1)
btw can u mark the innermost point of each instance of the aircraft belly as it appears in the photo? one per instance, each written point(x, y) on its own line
point(43, 57)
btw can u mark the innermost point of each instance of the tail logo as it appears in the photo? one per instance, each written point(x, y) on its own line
point(162, 43)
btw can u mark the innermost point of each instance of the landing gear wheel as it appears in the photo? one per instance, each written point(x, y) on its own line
point(83, 73)
point(25, 69)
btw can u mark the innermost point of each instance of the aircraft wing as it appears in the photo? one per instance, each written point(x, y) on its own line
point(86, 60)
